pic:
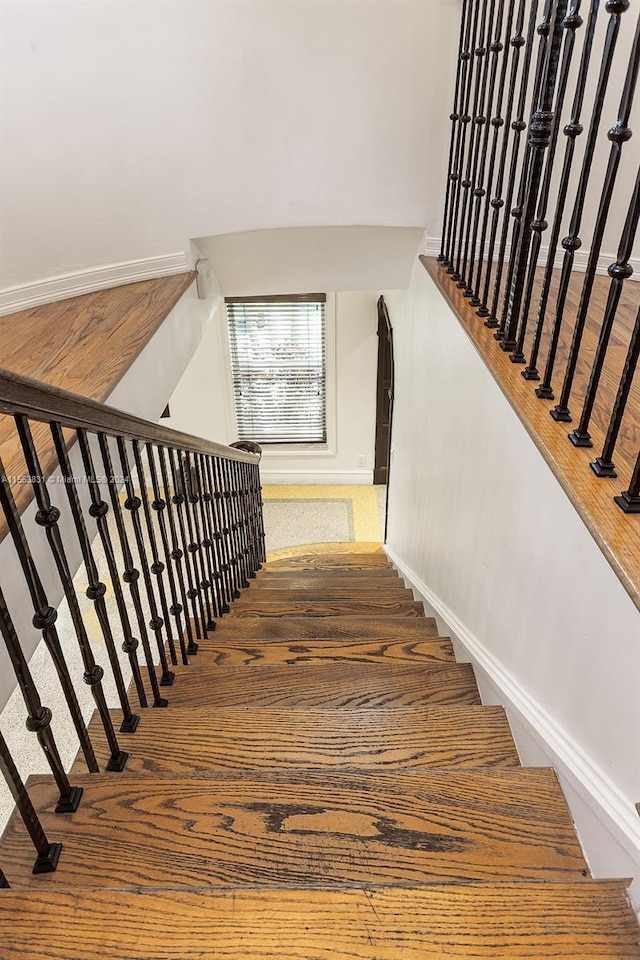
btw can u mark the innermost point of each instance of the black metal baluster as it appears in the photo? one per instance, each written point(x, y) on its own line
point(99, 510)
point(96, 589)
point(465, 93)
point(571, 22)
point(45, 617)
point(619, 271)
point(213, 570)
point(454, 117)
point(223, 489)
point(237, 503)
point(158, 505)
point(538, 140)
point(250, 519)
point(4, 883)
point(618, 136)
point(572, 130)
point(131, 575)
point(195, 540)
point(93, 672)
point(467, 183)
point(229, 499)
point(572, 242)
point(224, 568)
point(38, 716)
point(497, 124)
point(517, 126)
point(48, 854)
point(194, 592)
point(157, 567)
point(603, 465)
point(629, 501)
point(177, 555)
point(133, 504)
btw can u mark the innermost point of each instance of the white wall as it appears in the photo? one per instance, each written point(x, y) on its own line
point(131, 126)
point(482, 528)
point(143, 391)
point(203, 400)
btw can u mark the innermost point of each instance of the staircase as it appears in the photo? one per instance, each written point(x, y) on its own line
point(325, 783)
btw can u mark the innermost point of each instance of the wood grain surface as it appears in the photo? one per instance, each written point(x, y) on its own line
point(388, 590)
point(314, 561)
point(439, 826)
point(191, 741)
point(317, 628)
point(248, 653)
point(319, 574)
point(475, 921)
point(363, 607)
point(617, 534)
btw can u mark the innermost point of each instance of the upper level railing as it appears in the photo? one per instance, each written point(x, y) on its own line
point(519, 206)
point(176, 524)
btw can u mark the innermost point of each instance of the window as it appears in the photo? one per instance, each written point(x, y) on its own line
point(278, 365)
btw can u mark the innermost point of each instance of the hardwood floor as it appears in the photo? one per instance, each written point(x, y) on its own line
point(83, 344)
point(362, 804)
point(617, 534)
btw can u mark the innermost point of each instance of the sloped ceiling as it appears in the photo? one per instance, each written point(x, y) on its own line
point(129, 128)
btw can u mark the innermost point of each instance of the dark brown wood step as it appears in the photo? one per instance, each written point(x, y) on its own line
point(311, 561)
point(349, 686)
point(246, 652)
point(328, 593)
point(375, 572)
point(360, 584)
point(369, 607)
point(191, 741)
point(435, 827)
point(405, 629)
point(591, 920)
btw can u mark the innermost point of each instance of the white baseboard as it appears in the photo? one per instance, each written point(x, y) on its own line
point(612, 810)
point(431, 248)
point(348, 477)
point(28, 295)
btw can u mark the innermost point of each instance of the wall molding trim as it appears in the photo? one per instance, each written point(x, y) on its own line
point(29, 295)
point(431, 248)
point(347, 477)
point(612, 809)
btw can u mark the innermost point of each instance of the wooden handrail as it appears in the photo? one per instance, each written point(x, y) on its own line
point(39, 401)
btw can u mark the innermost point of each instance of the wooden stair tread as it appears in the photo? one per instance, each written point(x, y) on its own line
point(320, 574)
point(326, 581)
point(345, 685)
point(247, 652)
point(328, 593)
point(194, 741)
point(436, 827)
point(513, 921)
point(329, 628)
point(370, 607)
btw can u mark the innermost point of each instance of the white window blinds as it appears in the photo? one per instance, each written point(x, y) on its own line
point(279, 369)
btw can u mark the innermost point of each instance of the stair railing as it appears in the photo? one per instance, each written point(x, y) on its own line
point(514, 79)
point(175, 524)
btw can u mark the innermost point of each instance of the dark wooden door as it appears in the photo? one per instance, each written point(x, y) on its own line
point(384, 395)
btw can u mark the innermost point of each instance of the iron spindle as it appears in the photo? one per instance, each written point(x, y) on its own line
point(99, 510)
point(479, 54)
point(194, 593)
point(195, 534)
point(497, 202)
point(572, 242)
point(130, 575)
point(619, 271)
point(571, 22)
point(539, 138)
point(93, 672)
point(132, 504)
point(48, 854)
point(226, 529)
point(236, 556)
point(4, 883)
point(479, 132)
point(159, 506)
point(38, 716)
point(603, 466)
point(224, 568)
point(461, 146)
point(572, 130)
point(177, 554)
point(629, 501)
point(157, 567)
point(213, 562)
point(236, 523)
point(618, 136)
point(454, 117)
point(517, 126)
point(45, 616)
